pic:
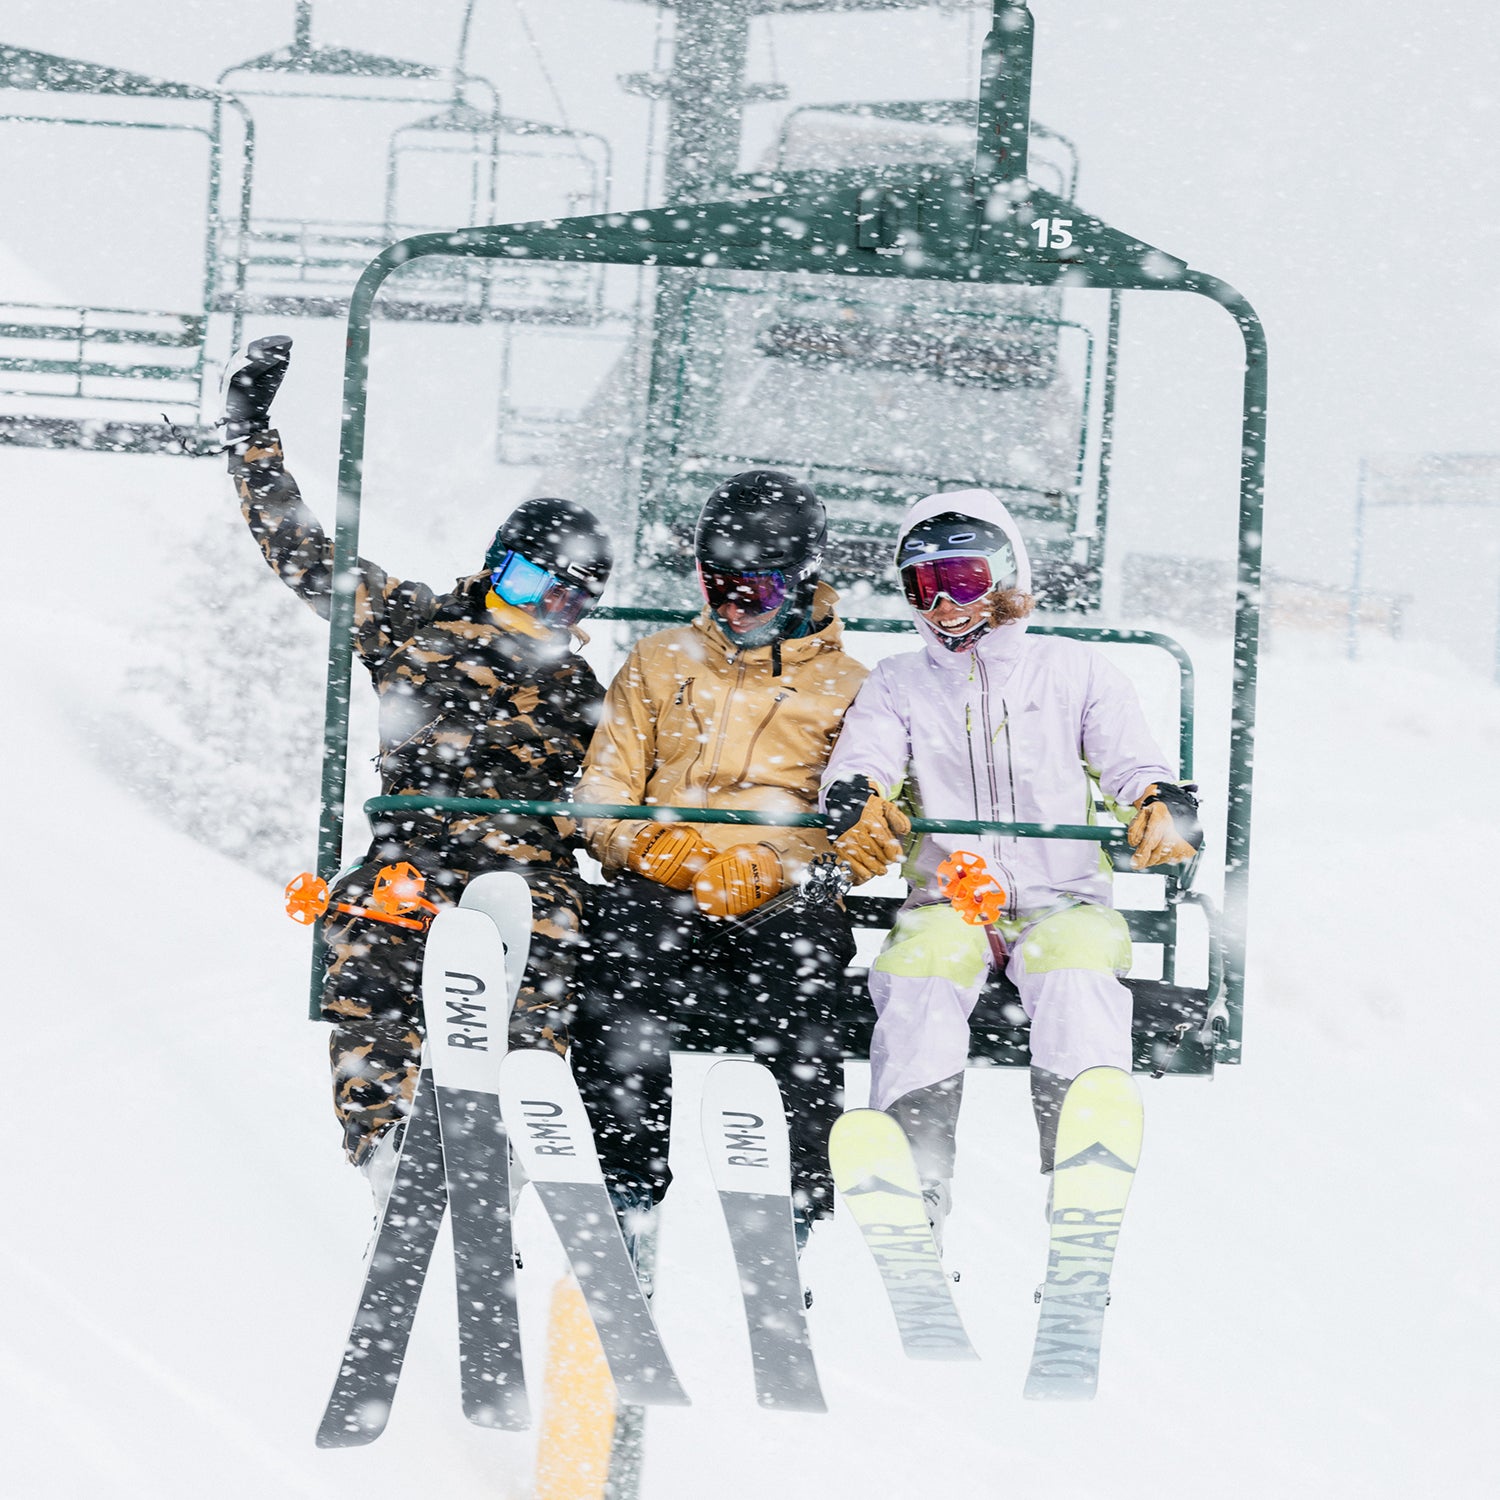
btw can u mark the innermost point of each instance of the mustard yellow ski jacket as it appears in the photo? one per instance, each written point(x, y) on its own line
point(693, 721)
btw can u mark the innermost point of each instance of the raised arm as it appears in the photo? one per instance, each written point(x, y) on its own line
point(298, 550)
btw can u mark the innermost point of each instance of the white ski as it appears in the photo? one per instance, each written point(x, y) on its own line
point(466, 1000)
point(395, 1268)
point(745, 1135)
point(550, 1131)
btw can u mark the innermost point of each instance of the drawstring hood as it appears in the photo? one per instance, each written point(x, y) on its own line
point(982, 505)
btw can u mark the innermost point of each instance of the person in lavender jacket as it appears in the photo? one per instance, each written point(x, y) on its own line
point(988, 722)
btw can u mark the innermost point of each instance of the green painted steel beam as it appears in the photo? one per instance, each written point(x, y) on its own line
point(497, 807)
point(187, 332)
point(47, 73)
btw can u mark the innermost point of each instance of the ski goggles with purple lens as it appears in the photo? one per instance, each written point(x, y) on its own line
point(754, 593)
point(965, 580)
point(550, 598)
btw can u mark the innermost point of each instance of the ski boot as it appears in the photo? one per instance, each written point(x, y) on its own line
point(937, 1198)
point(637, 1212)
point(803, 1220)
point(378, 1168)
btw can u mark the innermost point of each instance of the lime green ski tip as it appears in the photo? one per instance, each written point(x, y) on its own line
point(864, 1136)
point(1102, 1122)
point(1098, 1148)
point(878, 1180)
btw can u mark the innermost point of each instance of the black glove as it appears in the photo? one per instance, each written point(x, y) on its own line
point(1165, 829)
point(866, 829)
point(252, 388)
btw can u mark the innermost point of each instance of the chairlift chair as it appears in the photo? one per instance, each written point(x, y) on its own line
point(292, 264)
point(908, 132)
point(119, 379)
point(987, 227)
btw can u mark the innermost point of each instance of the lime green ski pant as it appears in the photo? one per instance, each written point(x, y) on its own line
point(1065, 963)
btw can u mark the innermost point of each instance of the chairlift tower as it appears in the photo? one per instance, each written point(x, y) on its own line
point(834, 382)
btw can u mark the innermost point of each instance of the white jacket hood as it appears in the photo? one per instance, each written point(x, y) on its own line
point(983, 506)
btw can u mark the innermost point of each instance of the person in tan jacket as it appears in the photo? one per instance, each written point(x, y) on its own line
point(740, 710)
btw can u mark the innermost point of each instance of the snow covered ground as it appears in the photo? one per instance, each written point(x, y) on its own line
point(1302, 1301)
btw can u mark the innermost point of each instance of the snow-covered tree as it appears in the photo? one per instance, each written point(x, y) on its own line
point(220, 725)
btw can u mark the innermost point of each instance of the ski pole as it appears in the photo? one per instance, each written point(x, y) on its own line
point(828, 879)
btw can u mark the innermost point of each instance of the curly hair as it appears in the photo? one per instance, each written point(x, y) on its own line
point(1012, 604)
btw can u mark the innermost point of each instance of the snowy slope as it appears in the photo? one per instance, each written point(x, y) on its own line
point(1293, 1313)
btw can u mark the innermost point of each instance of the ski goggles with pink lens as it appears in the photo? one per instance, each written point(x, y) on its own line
point(554, 601)
point(965, 580)
point(753, 593)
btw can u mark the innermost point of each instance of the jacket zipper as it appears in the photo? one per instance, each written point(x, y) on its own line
point(969, 741)
point(713, 770)
point(776, 703)
point(1006, 874)
point(685, 698)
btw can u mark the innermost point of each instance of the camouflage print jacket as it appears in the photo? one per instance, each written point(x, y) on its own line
point(474, 702)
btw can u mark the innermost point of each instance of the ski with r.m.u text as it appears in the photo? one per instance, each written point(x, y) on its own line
point(395, 1268)
point(472, 967)
point(749, 1155)
point(877, 1178)
point(550, 1131)
point(453, 1150)
point(1098, 1147)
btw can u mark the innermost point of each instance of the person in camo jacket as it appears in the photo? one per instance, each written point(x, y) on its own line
point(481, 695)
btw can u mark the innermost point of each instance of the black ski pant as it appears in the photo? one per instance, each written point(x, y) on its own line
point(657, 974)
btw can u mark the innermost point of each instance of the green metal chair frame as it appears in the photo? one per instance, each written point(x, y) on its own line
point(993, 226)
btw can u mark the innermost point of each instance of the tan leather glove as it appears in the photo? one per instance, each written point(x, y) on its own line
point(1165, 829)
point(738, 880)
point(867, 830)
point(669, 853)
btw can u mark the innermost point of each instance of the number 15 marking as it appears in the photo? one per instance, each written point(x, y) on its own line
point(1053, 234)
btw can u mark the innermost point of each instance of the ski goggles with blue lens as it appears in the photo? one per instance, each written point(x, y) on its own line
point(553, 600)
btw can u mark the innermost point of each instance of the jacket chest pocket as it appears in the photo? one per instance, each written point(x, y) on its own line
point(683, 727)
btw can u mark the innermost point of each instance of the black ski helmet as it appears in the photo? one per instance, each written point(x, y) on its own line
point(560, 536)
point(761, 521)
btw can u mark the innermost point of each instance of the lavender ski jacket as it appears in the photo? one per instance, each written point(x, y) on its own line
point(1016, 729)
